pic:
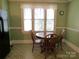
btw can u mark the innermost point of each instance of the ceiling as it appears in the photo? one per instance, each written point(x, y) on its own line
point(55, 1)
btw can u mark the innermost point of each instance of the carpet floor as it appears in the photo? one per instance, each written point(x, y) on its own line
point(24, 51)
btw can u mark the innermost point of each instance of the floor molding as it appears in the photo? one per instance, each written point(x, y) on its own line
point(74, 47)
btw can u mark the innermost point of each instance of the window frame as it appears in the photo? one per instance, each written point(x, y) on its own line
point(38, 19)
point(55, 11)
point(27, 18)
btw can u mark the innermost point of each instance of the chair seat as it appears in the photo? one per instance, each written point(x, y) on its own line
point(38, 40)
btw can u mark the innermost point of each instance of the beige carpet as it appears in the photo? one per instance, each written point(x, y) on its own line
point(24, 51)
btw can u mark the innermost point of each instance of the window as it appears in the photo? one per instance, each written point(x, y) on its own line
point(27, 19)
point(50, 20)
point(36, 18)
point(39, 19)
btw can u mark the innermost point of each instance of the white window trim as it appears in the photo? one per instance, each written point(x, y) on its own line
point(45, 6)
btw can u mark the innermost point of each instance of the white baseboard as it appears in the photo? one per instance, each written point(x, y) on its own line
point(74, 47)
point(20, 42)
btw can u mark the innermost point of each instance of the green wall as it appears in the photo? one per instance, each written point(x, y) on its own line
point(15, 22)
point(15, 27)
point(73, 22)
point(15, 17)
point(0, 4)
point(61, 19)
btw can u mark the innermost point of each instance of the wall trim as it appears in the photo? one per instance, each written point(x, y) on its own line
point(74, 47)
point(15, 27)
point(76, 30)
point(20, 42)
point(21, 27)
point(61, 27)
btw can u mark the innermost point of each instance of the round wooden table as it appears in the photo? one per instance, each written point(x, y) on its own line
point(45, 43)
point(42, 35)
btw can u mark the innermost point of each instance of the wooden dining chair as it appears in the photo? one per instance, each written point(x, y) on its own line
point(53, 42)
point(49, 45)
point(35, 40)
point(61, 37)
